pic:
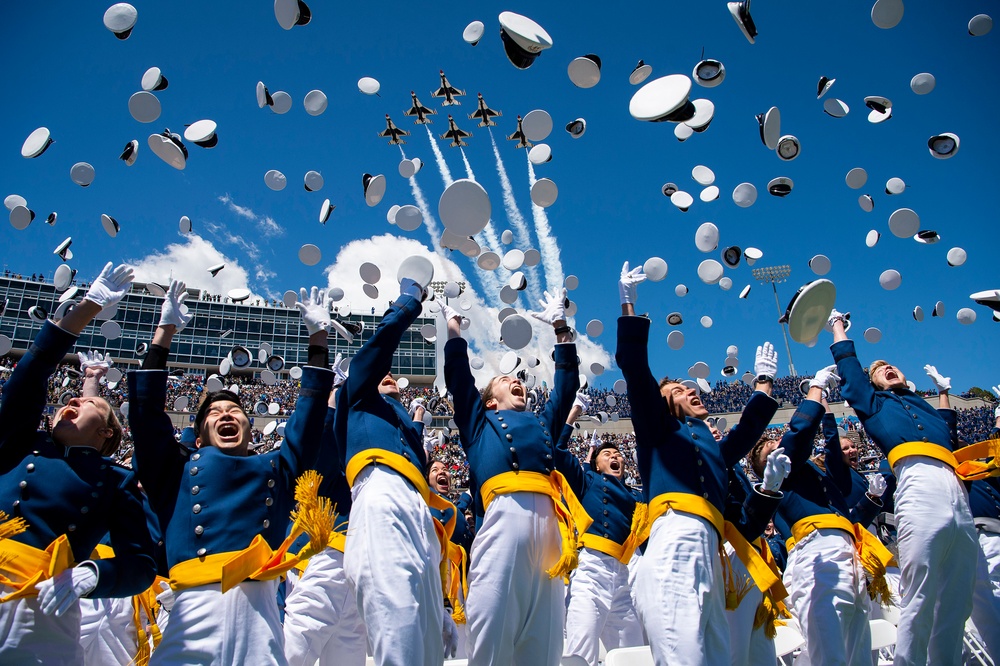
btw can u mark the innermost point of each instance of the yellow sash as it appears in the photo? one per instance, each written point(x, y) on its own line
point(23, 566)
point(772, 612)
point(621, 551)
point(337, 542)
point(763, 571)
point(255, 562)
point(572, 517)
point(409, 471)
point(683, 502)
point(968, 462)
point(458, 582)
point(874, 557)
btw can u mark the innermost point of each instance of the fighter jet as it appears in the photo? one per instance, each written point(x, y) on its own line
point(393, 132)
point(447, 91)
point(456, 135)
point(484, 113)
point(519, 136)
point(420, 111)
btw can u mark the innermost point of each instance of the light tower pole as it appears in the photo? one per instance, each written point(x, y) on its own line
point(775, 275)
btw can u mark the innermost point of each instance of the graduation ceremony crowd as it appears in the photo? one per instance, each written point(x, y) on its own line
point(518, 537)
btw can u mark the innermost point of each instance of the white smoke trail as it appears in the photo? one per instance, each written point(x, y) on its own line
point(547, 243)
point(486, 238)
point(522, 234)
point(429, 221)
point(442, 165)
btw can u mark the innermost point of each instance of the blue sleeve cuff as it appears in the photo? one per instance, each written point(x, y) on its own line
point(843, 349)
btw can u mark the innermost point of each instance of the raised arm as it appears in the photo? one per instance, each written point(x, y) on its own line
point(650, 416)
point(304, 431)
point(26, 391)
point(470, 412)
point(567, 376)
point(759, 411)
point(943, 386)
point(94, 365)
point(158, 460)
point(855, 387)
point(567, 463)
point(802, 429)
point(374, 360)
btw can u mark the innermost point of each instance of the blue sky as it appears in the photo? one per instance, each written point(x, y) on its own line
point(65, 71)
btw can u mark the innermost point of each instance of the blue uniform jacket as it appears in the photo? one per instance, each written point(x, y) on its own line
point(462, 534)
point(366, 419)
point(676, 456)
point(808, 490)
point(334, 483)
point(851, 483)
point(890, 417)
point(209, 502)
point(499, 441)
point(605, 498)
point(71, 491)
point(747, 509)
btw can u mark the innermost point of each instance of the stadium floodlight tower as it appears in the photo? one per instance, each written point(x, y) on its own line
point(775, 275)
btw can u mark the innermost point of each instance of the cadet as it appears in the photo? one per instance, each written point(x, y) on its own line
point(60, 494)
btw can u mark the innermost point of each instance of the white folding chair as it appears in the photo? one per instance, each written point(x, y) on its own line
point(883, 634)
point(788, 639)
point(973, 649)
point(633, 656)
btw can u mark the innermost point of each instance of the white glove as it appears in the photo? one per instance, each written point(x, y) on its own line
point(94, 359)
point(942, 383)
point(836, 315)
point(315, 309)
point(409, 287)
point(582, 400)
point(776, 468)
point(826, 378)
point(553, 307)
point(766, 362)
point(172, 311)
point(449, 313)
point(876, 485)
point(166, 598)
point(57, 595)
point(628, 281)
point(595, 439)
point(449, 635)
point(996, 389)
point(339, 376)
point(414, 404)
point(110, 285)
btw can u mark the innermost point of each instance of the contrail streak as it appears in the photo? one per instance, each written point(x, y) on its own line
point(488, 238)
point(442, 165)
point(429, 221)
point(522, 233)
point(547, 243)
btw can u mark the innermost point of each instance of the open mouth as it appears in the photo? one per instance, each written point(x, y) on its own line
point(228, 430)
point(891, 375)
point(442, 480)
point(615, 465)
point(517, 390)
point(68, 414)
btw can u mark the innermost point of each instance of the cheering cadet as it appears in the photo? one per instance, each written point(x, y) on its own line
point(824, 577)
point(599, 607)
point(526, 543)
point(936, 533)
point(223, 511)
point(685, 478)
point(59, 495)
point(439, 480)
point(392, 556)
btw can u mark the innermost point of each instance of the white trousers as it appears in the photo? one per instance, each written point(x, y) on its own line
point(322, 622)
point(937, 561)
point(28, 636)
point(986, 599)
point(107, 632)
point(826, 592)
point(515, 612)
point(747, 646)
point(392, 560)
point(206, 626)
point(599, 608)
point(679, 592)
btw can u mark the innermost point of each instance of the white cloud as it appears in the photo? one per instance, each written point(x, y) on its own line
point(189, 261)
point(265, 224)
point(388, 252)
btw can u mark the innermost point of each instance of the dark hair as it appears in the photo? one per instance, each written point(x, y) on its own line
point(597, 452)
point(669, 398)
point(755, 453)
point(218, 396)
